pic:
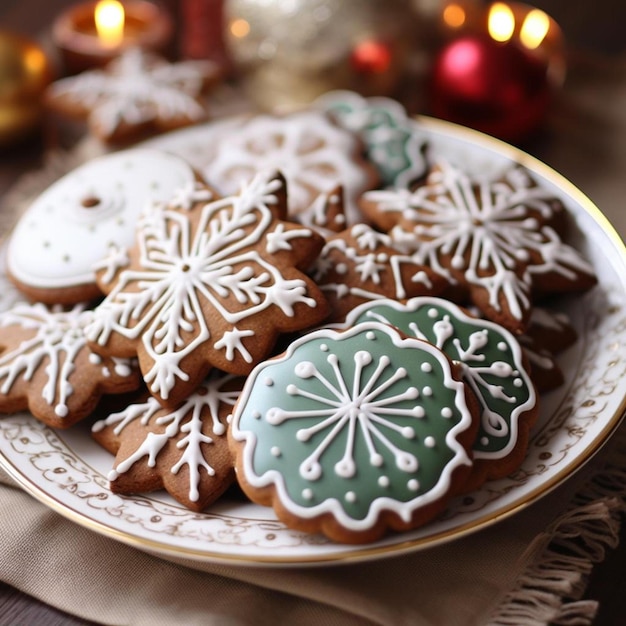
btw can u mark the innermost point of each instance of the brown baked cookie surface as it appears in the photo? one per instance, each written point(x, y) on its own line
point(360, 264)
point(136, 95)
point(211, 282)
point(497, 239)
point(47, 367)
point(183, 450)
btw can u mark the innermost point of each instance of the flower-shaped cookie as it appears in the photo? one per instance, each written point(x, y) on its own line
point(47, 367)
point(211, 282)
point(361, 264)
point(351, 433)
point(184, 450)
point(393, 142)
point(492, 364)
point(497, 239)
point(138, 92)
point(313, 154)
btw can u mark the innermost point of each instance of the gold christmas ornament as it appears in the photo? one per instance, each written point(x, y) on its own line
point(24, 74)
point(288, 52)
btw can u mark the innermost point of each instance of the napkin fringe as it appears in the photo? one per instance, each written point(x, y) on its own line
point(551, 588)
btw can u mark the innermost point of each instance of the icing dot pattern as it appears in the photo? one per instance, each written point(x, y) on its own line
point(352, 425)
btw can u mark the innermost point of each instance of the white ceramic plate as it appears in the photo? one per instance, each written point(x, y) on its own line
point(67, 470)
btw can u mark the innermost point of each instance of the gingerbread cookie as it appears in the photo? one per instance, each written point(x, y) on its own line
point(211, 282)
point(353, 433)
point(361, 264)
point(47, 367)
point(496, 239)
point(135, 95)
point(548, 334)
point(492, 365)
point(314, 155)
point(70, 226)
point(184, 450)
point(393, 142)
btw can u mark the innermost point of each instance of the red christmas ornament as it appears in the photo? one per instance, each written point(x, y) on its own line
point(371, 57)
point(498, 88)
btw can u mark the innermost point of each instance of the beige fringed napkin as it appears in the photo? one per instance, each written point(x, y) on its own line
point(529, 569)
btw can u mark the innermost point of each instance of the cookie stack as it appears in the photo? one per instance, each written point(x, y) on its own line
point(330, 315)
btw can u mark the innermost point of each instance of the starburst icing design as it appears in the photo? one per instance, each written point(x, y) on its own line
point(208, 286)
point(353, 424)
point(496, 239)
point(184, 450)
point(315, 156)
point(492, 364)
point(137, 88)
point(361, 264)
point(393, 142)
point(47, 367)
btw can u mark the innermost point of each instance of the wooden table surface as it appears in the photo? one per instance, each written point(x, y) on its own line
point(33, 18)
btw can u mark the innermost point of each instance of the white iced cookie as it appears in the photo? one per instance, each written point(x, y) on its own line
point(72, 225)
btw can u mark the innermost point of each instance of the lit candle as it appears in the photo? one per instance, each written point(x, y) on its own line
point(109, 19)
point(498, 72)
point(91, 34)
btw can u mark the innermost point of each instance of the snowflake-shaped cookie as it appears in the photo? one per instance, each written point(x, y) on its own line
point(392, 141)
point(492, 365)
point(211, 282)
point(313, 154)
point(496, 239)
point(184, 450)
point(361, 264)
point(138, 92)
point(47, 367)
point(352, 433)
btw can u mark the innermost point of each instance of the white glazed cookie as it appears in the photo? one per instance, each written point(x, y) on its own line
point(312, 153)
point(72, 225)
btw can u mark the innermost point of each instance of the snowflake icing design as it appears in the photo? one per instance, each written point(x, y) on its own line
point(314, 155)
point(490, 359)
point(377, 270)
point(193, 426)
point(206, 278)
point(137, 88)
point(493, 237)
point(35, 336)
point(352, 418)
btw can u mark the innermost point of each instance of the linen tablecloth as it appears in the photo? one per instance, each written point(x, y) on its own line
point(528, 569)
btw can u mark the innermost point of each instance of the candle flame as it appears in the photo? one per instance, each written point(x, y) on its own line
point(534, 29)
point(501, 22)
point(109, 17)
point(454, 15)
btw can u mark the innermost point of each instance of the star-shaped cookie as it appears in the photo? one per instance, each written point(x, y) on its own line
point(183, 450)
point(211, 282)
point(360, 264)
point(47, 367)
point(136, 94)
point(497, 239)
